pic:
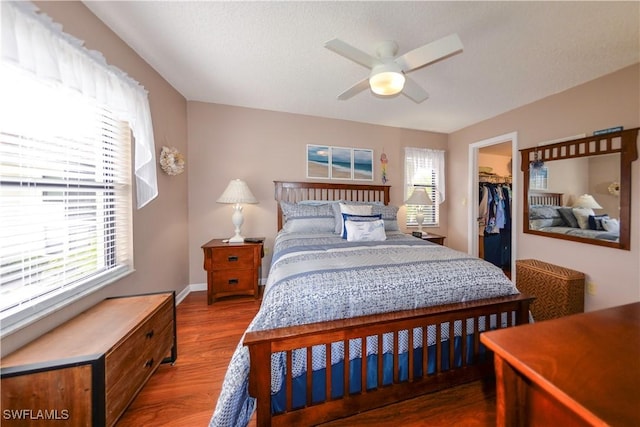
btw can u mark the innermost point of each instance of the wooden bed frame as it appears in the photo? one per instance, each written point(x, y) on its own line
point(262, 344)
point(544, 198)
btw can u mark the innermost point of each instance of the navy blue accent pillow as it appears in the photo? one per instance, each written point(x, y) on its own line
point(568, 217)
point(595, 222)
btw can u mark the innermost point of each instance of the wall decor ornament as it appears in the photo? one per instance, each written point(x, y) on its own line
point(614, 188)
point(383, 166)
point(171, 161)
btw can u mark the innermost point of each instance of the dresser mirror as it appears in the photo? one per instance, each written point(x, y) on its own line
point(580, 190)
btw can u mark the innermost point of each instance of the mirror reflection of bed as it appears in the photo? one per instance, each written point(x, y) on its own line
point(580, 190)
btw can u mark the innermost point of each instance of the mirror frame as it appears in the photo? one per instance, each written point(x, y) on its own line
point(623, 142)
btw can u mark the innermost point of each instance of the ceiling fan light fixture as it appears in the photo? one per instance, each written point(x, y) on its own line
point(386, 80)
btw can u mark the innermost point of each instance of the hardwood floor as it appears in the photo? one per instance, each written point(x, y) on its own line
point(185, 394)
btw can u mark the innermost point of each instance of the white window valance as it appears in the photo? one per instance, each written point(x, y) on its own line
point(33, 42)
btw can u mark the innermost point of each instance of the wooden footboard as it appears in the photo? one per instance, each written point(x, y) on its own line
point(262, 344)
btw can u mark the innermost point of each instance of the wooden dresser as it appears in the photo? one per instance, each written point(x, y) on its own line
point(579, 370)
point(87, 371)
point(232, 268)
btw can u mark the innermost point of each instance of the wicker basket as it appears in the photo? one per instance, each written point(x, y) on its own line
point(559, 291)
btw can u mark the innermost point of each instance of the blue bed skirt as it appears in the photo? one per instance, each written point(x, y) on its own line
point(278, 400)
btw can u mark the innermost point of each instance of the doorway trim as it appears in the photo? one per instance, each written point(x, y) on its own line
point(473, 197)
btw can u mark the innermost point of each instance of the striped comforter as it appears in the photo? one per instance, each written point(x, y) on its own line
point(321, 277)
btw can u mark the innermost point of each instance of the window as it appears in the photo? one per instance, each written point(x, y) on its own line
point(65, 192)
point(424, 167)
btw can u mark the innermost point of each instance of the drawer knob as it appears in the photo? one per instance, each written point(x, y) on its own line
point(150, 334)
point(233, 281)
point(148, 363)
point(232, 258)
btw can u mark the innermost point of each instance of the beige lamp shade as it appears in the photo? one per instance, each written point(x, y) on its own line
point(419, 197)
point(237, 193)
point(586, 201)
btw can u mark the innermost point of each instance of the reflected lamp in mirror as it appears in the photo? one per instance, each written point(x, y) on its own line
point(419, 198)
point(237, 193)
point(586, 201)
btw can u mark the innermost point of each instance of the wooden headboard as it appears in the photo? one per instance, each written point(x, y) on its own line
point(543, 198)
point(293, 192)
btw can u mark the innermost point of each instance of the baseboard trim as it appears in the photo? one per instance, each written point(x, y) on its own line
point(196, 287)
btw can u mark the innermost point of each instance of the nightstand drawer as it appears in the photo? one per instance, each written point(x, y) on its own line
point(239, 257)
point(233, 280)
point(232, 269)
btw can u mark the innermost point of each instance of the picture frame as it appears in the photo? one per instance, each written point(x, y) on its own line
point(539, 178)
point(363, 164)
point(339, 163)
point(318, 161)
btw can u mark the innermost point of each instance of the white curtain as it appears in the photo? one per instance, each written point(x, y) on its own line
point(421, 164)
point(33, 42)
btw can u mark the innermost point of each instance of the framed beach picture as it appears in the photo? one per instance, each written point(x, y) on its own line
point(341, 163)
point(328, 162)
point(539, 178)
point(318, 161)
point(363, 164)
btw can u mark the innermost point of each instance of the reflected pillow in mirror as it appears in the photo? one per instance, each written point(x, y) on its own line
point(537, 224)
point(595, 221)
point(582, 215)
point(611, 225)
point(568, 217)
point(543, 212)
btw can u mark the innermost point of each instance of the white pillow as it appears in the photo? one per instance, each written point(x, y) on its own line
point(365, 231)
point(582, 215)
point(611, 225)
point(351, 210)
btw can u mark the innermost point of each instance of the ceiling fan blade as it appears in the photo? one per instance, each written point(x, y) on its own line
point(352, 53)
point(414, 91)
point(355, 89)
point(430, 53)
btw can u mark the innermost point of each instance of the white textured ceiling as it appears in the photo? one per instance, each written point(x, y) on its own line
point(270, 55)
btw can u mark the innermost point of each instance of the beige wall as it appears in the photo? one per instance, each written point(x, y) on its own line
point(160, 228)
point(263, 146)
point(613, 100)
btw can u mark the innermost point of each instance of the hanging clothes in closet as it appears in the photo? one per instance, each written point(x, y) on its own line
point(495, 222)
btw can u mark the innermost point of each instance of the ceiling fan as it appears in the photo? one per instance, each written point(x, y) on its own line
point(388, 71)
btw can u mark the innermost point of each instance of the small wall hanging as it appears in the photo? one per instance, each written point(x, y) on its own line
point(171, 161)
point(383, 166)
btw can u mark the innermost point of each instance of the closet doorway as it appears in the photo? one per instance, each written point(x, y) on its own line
point(493, 213)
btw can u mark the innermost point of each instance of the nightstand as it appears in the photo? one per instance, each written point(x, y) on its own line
point(232, 268)
point(434, 238)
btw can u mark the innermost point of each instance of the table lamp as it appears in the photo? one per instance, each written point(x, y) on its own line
point(420, 198)
point(237, 193)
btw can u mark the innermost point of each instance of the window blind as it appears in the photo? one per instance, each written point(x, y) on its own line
point(424, 167)
point(65, 187)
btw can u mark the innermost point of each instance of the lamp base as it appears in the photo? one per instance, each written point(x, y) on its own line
point(236, 239)
point(420, 219)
